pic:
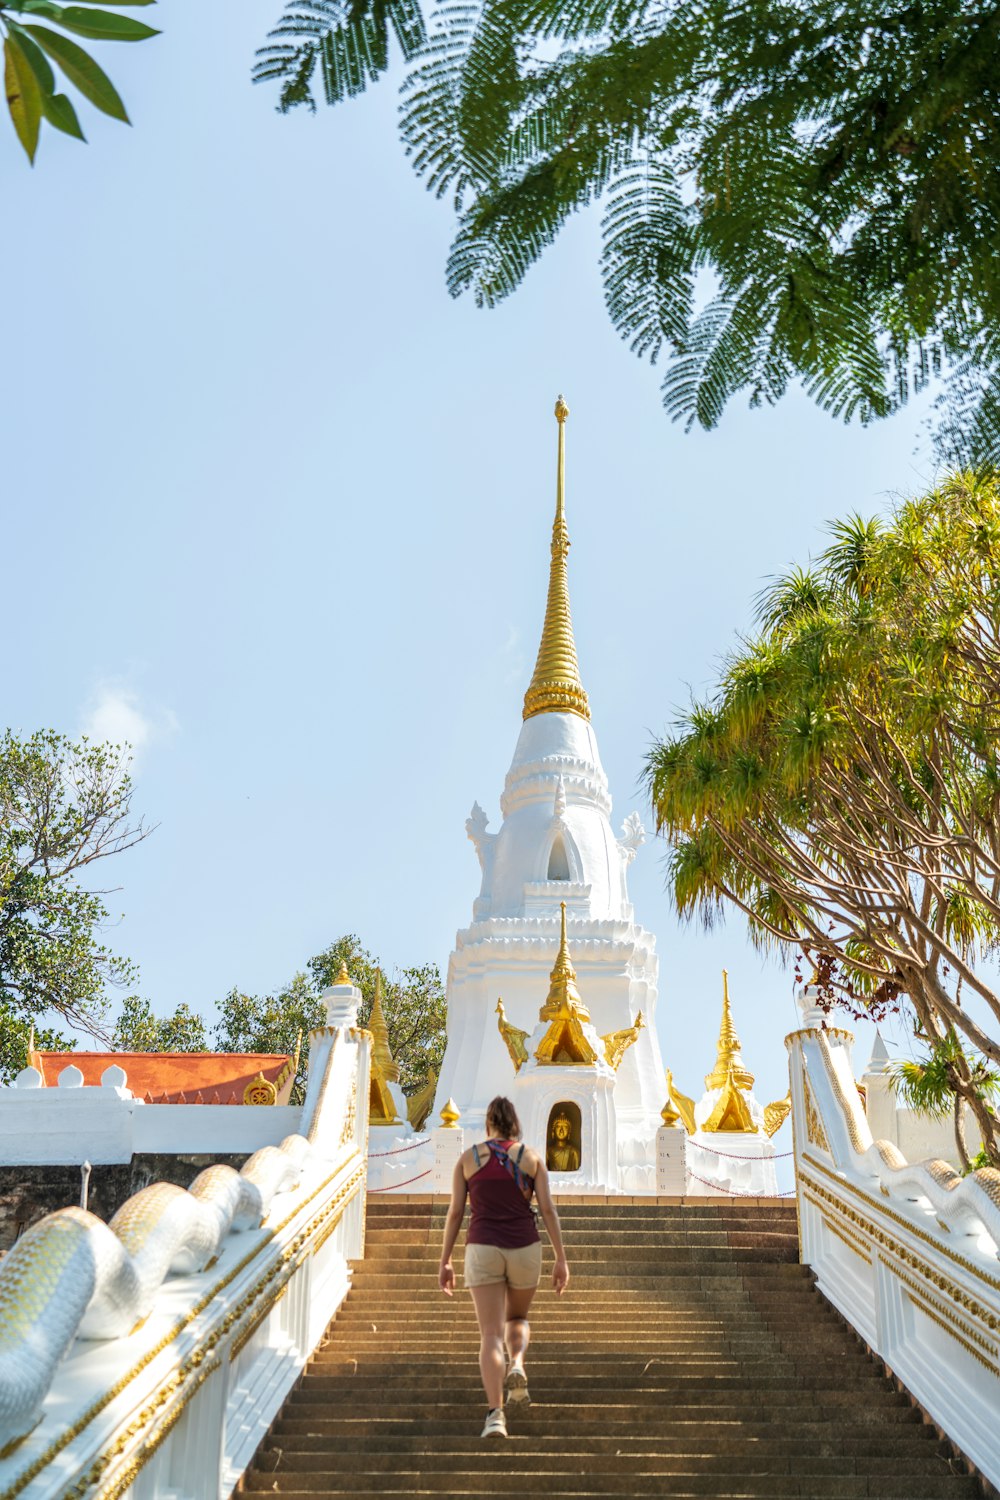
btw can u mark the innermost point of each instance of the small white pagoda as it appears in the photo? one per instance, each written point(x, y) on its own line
point(554, 878)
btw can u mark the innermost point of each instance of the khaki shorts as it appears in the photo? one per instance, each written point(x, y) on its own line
point(489, 1265)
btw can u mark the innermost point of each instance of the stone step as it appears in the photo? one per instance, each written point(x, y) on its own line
point(691, 1356)
point(572, 1484)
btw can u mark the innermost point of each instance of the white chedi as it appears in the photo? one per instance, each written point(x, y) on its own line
point(556, 846)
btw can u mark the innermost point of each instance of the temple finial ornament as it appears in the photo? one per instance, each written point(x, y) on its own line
point(727, 1052)
point(449, 1115)
point(342, 975)
point(563, 994)
point(381, 1052)
point(555, 686)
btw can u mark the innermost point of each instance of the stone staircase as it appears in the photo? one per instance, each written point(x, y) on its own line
point(691, 1356)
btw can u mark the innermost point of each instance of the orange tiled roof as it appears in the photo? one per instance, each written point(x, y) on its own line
point(177, 1077)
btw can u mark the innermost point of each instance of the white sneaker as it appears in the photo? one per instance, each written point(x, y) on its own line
point(515, 1387)
point(495, 1424)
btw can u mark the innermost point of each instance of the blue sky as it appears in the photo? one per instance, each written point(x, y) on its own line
point(278, 509)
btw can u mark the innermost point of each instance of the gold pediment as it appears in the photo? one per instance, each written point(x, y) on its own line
point(731, 1111)
point(565, 1044)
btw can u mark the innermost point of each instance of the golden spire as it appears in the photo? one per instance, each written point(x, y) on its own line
point(727, 1053)
point(380, 1036)
point(563, 997)
point(342, 975)
point(555, 686)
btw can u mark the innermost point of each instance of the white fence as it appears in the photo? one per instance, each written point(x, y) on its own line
point(908, 1253)
point(176, 1406)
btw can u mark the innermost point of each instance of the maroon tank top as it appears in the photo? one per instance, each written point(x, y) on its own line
point(500, 1213)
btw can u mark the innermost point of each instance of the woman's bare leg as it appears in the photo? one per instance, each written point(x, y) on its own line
point(517, 1331)
point(489, 1301)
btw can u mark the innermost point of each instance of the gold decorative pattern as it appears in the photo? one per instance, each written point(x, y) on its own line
point(970, 1340)
point(246, 1333)
point(617, 1043)
point(668, 1114)
point(260, 1091)
point(123, 1481)
point(683, 1105)
point(730, 1111)
point(814, 1125)
point(514, 1038)
point(848, 1239)
point(555, 685)
point(986, 1315)
point(727, 1051)
point(776, 1114)
point(342, 975)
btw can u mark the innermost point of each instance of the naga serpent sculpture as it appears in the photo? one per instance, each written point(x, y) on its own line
point(71, 1275)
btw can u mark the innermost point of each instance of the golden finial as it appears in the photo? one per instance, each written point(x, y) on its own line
point(342, 975)
point(380, 1035)
point(727, 1053)
point(555, 686)
point(563, 996)
point(450, 1115)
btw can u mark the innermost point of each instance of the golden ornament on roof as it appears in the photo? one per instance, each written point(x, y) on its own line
point(555, 685)
point(727, 1054)
point(731, 1110)
point(565, 1042)
point(514, 1038)
point(563, 994)
point(683, 1105)
point(617, 1043)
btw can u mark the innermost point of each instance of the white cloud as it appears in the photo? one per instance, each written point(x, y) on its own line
point(115, 712)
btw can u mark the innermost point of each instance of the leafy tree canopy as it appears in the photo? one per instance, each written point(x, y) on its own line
point(33, 86)
point(63, 808)
point(842, 785)
point(272, 1023)
point(834, 168)
point(413, 1003)
point(16, 1032)
point(138, 1030)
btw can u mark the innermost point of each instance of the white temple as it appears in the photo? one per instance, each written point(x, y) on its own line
point(556, 853)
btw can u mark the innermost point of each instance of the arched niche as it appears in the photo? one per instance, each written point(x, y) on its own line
point(564, 1137)
point(558, 860)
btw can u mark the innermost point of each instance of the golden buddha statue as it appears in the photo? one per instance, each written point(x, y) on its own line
point(562, 1155)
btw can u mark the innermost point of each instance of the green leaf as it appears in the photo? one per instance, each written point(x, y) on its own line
point(82, 71)
point(104, 25)
point(36, 59)
point(41, 8)
point(59, 111)
point(24, 97)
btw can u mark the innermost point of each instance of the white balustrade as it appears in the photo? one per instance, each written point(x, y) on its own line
point(908, 1252)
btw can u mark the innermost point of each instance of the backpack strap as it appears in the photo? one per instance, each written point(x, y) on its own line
point(475, 1155)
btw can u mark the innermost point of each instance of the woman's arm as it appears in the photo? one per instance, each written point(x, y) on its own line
point(560, 1272)
point(452, 1224)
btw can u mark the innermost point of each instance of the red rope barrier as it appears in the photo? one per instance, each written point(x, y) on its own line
point(734, 1156)
point(390, 1185)
point(399, 1150)
point(735, 1192)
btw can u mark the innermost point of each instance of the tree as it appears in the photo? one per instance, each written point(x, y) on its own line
point(834, 167)
point(31, 49)
point(272, 1023)
point(842, 786)
point(138, 1030)
point(413, 1003)
point(16, 1033)
point(63, 808)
